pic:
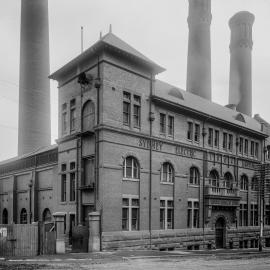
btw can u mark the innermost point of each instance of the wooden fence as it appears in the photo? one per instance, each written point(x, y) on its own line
point(19, 240)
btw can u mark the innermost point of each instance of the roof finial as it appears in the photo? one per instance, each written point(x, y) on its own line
point(100, 35)
point(110, 31)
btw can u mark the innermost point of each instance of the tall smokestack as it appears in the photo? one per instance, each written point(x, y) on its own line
point(240, 92)
point(199, 48)
point(34, 92)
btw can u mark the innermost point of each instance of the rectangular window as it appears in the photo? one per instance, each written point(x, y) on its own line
point(267, 215)
point(256, 150)
point(241, 141)
point(63, 187)
point(137, 111)
point(72, 114)
point(88, 171)
point(216, 140)
point(170, 125)
point(162, 128)
point(225, 140)
point(197, 133)
point(243, 215)
point(246, 147)
point(72, 165)
point(252, 149)
point(126, 108)
point(253, 214)
point(193, 214)
point(72, 186)
point(210, 137)
point(64, 118)
point(63, 167)
point(230, 145)
point(130, 214)
point(190, 131)
point(166, 214)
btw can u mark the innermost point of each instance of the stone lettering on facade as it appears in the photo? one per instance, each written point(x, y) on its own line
point(184, 151)
point(145, 143)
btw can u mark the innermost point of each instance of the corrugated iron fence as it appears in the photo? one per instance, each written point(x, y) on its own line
point(19, 240)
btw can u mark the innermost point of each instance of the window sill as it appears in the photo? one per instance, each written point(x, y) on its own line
point(193, 185)
point(167, 183)
point(131, 179)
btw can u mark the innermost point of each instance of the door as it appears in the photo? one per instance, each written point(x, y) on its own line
point(220, 229)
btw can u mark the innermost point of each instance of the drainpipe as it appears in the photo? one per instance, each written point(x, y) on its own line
point(151, 119)
point(203, 189)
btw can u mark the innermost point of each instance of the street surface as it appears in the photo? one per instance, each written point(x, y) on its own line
point(149, 260)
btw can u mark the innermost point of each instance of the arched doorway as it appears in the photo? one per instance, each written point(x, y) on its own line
point(220, 228)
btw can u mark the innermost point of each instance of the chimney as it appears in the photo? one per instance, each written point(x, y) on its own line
point(34, 89)
point(199, 48)
point(240, 91)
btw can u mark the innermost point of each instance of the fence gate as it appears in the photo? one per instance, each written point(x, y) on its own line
point(47, 238)
point(80, 235)
point(18, 240)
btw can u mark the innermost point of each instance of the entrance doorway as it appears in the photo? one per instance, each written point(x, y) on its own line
point(220, 228)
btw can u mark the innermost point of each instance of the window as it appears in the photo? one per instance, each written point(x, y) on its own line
point(88, 171)
point(64, 118)
point(167, 173)
point(170, 125)
point(254, 184)
point(193, 213)
point(130, 214)
point(194, 176)
point(256, 150)
point(243, 215)
point(230, 146)
point(246, 147)
point(166, 213)
point(253, 214)
point(225, 140)
point(137, 111)
point(252, 148)
point(23, 216)
point(72, 165)
point(63, 167)
point(241, 145)
point(267, 214)
point(244, 182)
point(216, 140)
point(131, 168)
point(46, 216)
point(228, 180)
point(214, 178)
point(72, 114)
point(72, 186)
point(162, 125)
point(197, 133)
point(63, 187)
point(5, 216)
point(126, 108)
point(210, 137)
point(190, 131)
point(88, 116)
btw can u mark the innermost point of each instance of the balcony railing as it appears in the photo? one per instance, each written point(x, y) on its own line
point(221, 188)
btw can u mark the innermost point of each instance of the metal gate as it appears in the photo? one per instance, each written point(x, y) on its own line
point(80, 235)
point(19, 240)
point(220, 233)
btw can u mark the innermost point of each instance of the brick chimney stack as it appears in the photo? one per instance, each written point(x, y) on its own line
point(240, 91)
point(199, 49)
point(34, 89)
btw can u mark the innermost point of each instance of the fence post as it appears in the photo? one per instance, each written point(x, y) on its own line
point(60, 236)
point(94, 232)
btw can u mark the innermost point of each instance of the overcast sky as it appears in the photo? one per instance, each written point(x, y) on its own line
point(157, 28)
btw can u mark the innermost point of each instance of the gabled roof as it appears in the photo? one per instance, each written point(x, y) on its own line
point(204, 107)
point(111, 41)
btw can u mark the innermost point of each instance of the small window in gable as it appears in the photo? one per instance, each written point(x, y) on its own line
point(240, 118)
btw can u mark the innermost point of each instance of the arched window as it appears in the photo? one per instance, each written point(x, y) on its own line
point(167, 173)
point(23, 216)
point(46, 216)
point(228, 178)
point(131, 168)
point(5, 216)
point(214, 178)
point(244, 182)
point(194, 176)
point(88, 116)
point(254, 184)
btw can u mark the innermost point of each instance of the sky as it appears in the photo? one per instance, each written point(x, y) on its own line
point(156, 28)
